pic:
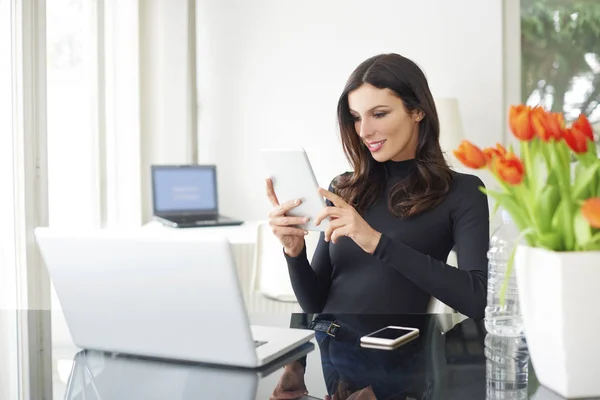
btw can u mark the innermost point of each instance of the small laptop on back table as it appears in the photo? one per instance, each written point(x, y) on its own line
point(185, 196)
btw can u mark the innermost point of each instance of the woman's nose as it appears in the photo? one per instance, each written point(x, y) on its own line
point(365, 129)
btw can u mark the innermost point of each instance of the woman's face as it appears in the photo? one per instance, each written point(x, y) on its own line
point(389, 131)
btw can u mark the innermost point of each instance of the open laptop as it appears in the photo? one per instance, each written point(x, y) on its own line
point(158, 295)
point(185, 196)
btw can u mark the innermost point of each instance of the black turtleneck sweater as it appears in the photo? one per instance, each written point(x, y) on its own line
point(408, 266)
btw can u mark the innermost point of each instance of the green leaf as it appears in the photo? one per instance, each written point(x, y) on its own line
point(584, 179)
point(552, 179)
point(509, 269)
point(509, 266)
point(510, 204)
point(546, 207)
point(557, 224)
point(592, 150)
point(583, 230)
point(550, 240)
point(568, 228)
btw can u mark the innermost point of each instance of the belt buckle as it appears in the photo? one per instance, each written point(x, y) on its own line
point(332, 329)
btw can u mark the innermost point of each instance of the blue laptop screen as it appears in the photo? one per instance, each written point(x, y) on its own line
point(184, 189)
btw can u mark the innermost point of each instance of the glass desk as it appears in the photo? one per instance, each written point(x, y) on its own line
point(451, 359)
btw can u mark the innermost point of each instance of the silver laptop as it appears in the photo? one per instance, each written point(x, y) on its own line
point(185, 196)
point(158, 295)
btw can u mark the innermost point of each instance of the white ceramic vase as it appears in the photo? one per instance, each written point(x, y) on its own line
point(559, 294)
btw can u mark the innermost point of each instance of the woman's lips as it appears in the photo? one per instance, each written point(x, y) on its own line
point(375, 146)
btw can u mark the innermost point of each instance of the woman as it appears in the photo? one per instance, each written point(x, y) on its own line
point(397, 216)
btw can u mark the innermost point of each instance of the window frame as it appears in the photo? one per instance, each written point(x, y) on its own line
point(31, 197)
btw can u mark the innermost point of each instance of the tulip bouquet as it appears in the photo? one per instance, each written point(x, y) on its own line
point(552, 188)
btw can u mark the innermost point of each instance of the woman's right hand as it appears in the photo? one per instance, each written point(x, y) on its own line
point(291, 383)
point(283, 226)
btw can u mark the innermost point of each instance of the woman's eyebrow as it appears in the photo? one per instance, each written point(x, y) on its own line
point(372, 108)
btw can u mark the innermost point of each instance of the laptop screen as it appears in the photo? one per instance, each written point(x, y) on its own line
point(184, 189)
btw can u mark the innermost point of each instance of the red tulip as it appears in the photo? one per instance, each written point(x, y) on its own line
point(591, 211)
point(548, 126)
point(582, 125)
point(510, 169)
point(576, 140)
point(519, 119)
point(470, 155)
point(491, 152)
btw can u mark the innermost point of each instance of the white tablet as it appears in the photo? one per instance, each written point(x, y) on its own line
point(293, 178)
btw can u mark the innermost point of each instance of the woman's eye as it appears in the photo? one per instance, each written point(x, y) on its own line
point(380, 115)
point(355, 118)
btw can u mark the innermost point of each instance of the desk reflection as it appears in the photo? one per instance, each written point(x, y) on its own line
point(101, 376)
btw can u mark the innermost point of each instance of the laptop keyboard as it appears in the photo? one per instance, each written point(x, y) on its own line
point(206, 222)
point(258, 343)
point(191, 219)
point(200, 221)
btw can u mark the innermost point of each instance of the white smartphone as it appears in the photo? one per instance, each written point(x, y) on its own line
point(293, 178)
point(389, 337)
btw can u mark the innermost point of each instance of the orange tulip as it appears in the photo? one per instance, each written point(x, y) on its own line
point(582, 125)
point(591, 211)
point(510, 169)
point(576, 140)
point(470, 155)
point(491, 152)
point(519, 119)
point(547, 125)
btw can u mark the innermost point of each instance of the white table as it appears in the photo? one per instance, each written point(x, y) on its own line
point(244, 234)
point(241, 237)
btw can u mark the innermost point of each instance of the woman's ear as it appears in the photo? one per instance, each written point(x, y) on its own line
point(418, 115)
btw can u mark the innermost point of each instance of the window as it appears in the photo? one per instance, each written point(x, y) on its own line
point(71, 92)
point(81, 57)
point(8, 293)
point(560, 45)
point(94, 177)
point(23, 283)
point(8, 280)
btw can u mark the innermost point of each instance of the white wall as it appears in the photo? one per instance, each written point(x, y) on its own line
point(270, 72)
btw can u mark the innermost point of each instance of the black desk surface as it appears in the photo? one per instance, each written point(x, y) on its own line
point(451, 359)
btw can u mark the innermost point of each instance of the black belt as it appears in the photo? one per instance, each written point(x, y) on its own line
point(329, 327)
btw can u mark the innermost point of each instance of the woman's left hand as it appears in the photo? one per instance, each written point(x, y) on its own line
point(346, 221)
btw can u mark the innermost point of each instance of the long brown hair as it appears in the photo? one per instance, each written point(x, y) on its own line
point(423, 189)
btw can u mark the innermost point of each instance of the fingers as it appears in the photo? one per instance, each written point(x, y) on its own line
point(281, 231)
point(285, 207)
point(288, 395)
point(329, 212)
point(333, 225)
point(334, 198)
point(295, 395)
point(271, 192)
point(338, 233)
point(285, 221)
